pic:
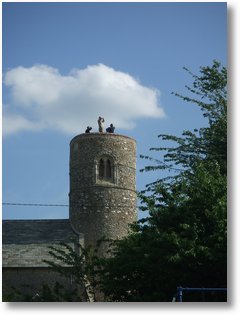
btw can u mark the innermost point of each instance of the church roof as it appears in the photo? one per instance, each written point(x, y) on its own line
point(26, 242)
point(36, 231)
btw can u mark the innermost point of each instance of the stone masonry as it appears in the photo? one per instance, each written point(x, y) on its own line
point(102, 207)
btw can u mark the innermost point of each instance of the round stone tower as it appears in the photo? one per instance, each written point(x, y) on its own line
point(102, 185)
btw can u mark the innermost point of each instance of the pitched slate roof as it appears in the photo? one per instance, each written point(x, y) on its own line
point(36, 231)
point(26, 242)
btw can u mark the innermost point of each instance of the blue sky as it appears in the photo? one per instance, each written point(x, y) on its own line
point(64, 64)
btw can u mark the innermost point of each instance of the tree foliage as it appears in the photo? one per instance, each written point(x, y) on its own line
point(183, 241)
point(80, 264)
point(208, 143)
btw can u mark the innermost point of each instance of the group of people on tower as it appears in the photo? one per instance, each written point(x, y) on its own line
point(101, 120)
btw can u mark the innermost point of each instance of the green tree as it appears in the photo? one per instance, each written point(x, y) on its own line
point(183, 241)
point(81, 265)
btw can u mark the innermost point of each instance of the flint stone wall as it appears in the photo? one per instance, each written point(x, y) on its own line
point(101, 208)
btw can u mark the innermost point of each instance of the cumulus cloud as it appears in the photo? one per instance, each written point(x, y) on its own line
point(43, 98)
point(13, 123)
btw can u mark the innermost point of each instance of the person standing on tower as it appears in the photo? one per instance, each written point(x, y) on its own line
point(100, 123)
point(88, 129)
point(110, 129)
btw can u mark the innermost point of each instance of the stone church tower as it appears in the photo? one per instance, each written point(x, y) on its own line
point(102, 194)
point(102, 204)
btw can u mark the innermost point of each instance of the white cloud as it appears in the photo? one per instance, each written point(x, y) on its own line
point(13, 123)
point(70, 103)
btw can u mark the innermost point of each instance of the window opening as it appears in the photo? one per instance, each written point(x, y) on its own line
point(101, 169)
point(105, 169)
point(108, 169)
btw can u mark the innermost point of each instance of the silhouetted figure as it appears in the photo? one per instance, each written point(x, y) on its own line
point(110, 129)
point(88, 129)
point(100, 123)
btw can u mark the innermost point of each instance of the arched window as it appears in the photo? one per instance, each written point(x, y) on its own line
point(105, 169)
